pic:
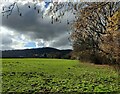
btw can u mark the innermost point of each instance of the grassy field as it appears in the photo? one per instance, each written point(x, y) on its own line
point(56, 75)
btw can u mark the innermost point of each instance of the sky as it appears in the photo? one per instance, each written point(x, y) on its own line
point(31, 31)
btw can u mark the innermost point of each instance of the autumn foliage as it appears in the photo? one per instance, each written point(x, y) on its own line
point(96, 35)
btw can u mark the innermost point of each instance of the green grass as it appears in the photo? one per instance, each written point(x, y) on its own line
point(56, 75)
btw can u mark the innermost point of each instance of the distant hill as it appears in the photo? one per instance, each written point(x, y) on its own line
point(46, 52)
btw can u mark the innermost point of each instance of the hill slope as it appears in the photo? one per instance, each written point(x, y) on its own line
point(46, 52)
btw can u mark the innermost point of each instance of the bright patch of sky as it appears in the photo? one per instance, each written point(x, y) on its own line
point(30, 45)
point(14, 40)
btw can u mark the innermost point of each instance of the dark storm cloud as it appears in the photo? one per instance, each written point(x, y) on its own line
point(32, 24)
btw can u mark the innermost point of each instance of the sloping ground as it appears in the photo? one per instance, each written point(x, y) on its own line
point(57, 75)
point(46, 52)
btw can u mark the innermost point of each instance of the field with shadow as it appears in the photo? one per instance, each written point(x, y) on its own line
point(56, 75)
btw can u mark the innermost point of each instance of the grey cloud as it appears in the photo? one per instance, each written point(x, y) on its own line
point(20, 23)
point(6, 39)
point(62, 42)
point(31, 24)
point(6, 47)
point(6, 42)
